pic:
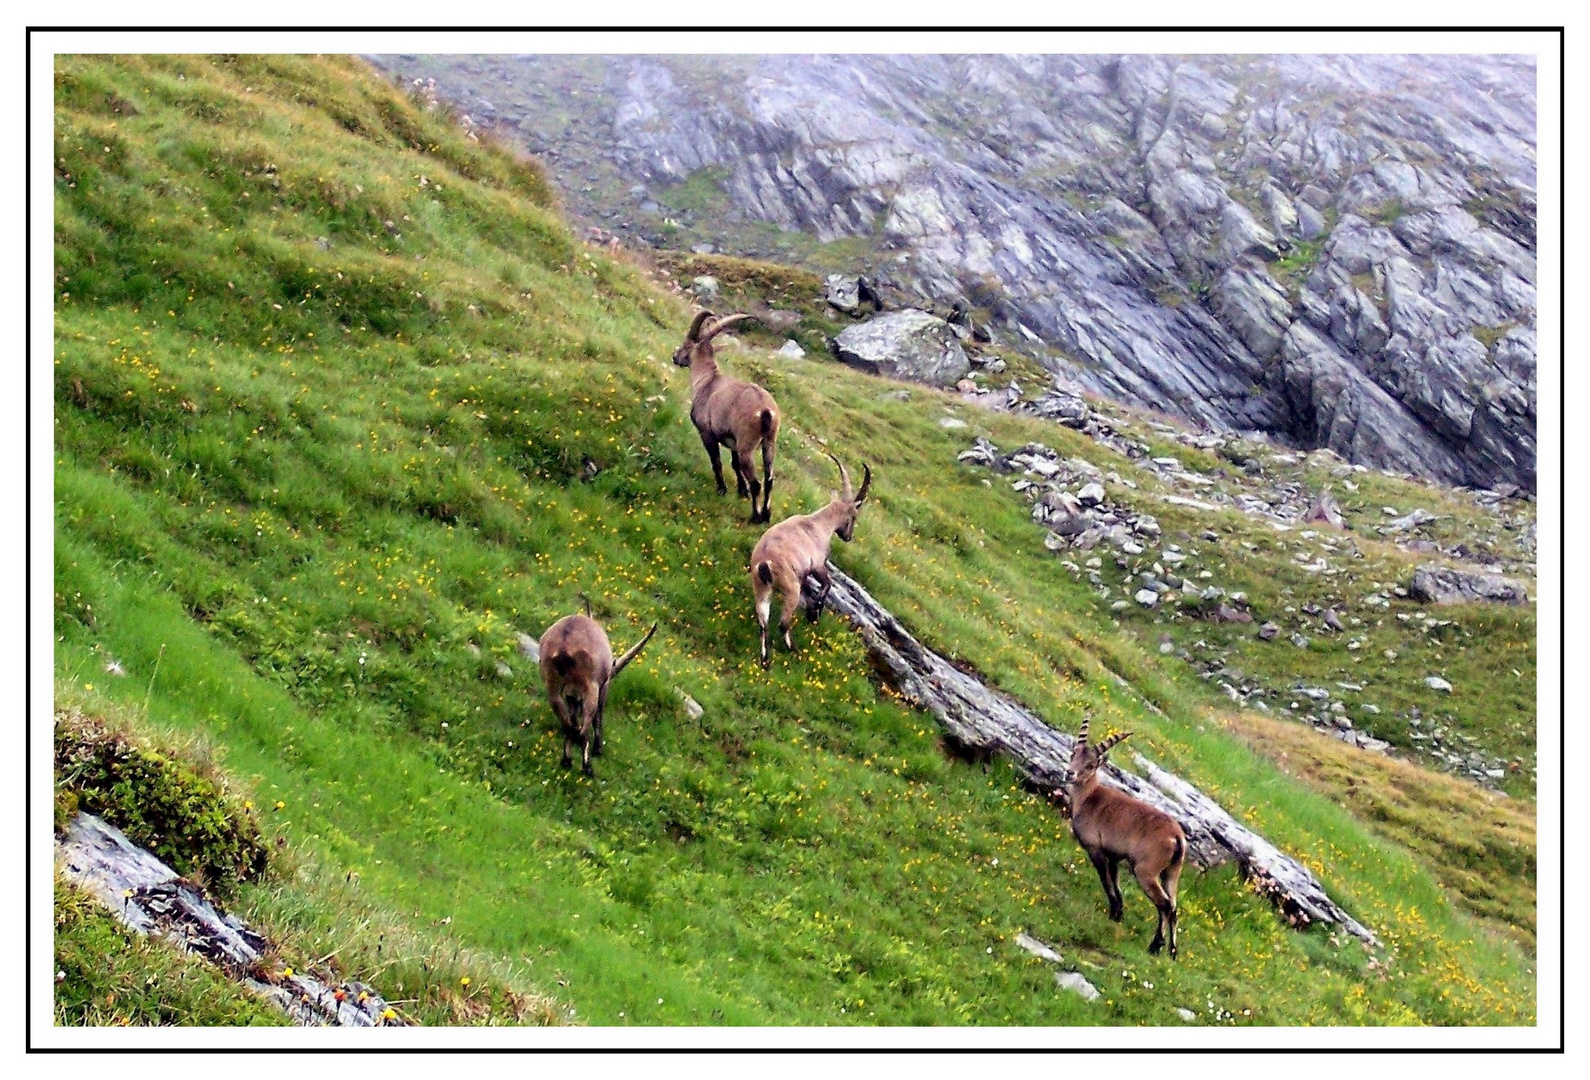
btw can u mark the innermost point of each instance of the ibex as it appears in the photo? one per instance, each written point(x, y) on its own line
point(797, 548)
point(577, 664)
point(1111, 826)
point(730, 412)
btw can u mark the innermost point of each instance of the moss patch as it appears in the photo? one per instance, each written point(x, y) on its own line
point(187, 819)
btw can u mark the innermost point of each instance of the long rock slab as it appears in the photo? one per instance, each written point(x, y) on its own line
point(990, 721)
point(153, 900)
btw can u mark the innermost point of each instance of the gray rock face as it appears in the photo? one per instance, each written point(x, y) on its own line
point(905, 344)
point(1077, 983)
point(1338, 250)
point(529, 648)
point(848, 292)
point(1435, 584)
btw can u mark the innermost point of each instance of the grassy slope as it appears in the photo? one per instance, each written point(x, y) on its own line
point(319, 471)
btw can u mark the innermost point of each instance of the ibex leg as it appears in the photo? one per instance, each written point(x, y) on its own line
point(764, 611)
point(1117, 902)
point(767, 477)
point(596, 724)
point(825, 581)
point(1163, 905)
point(714, 454)
point(786, 615)
point(1101, 863)
point(747, 469)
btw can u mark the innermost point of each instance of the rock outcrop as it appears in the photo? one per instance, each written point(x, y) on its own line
point(909, 344)
point(1337, 250)
point(1436, 584)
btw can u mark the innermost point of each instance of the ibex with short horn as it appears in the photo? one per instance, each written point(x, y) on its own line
point(1111, 826)
point(577, 664)
point(797, 548)
point(730, 412)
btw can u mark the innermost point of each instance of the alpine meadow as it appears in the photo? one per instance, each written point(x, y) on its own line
point(347, 414)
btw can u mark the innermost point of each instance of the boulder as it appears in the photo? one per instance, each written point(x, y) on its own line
point(1435, 584)
point(529, 648)
point(790, 350)
point(1077, 983)
point(1059, 406)
point(907, 344)
point(1325, 510)
point(844, 293)
point(706, 288)
point(847, 292)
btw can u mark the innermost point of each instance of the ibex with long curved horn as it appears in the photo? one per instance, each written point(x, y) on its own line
point(1111, 826)
point(730, 412)
point(797, 548)
point(577, 664)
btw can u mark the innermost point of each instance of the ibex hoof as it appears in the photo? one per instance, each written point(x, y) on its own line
point(1154, 946)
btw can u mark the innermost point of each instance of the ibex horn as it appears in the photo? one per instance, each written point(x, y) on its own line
point(844, 478)
point(633, 652)
point(1082, 732)
point(1104, 747)
point(723, 324)
point(695, 327)
point(866, 482)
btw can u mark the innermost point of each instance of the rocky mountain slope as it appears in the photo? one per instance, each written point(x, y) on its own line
point(1335, 250)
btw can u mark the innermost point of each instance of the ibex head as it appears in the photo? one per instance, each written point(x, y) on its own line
point(849, 500)
point(1085, 759)
point(701, 333)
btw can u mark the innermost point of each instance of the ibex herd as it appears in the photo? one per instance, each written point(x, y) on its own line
point(577, 662)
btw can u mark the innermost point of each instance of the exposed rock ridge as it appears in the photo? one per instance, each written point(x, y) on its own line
point(149, 897)
point(1335, 249)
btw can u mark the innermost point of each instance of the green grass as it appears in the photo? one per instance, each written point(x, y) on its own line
point(334, 482)
point(1482, 843)
point(1295, 266)
point(699, 193)
point(106, 975)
